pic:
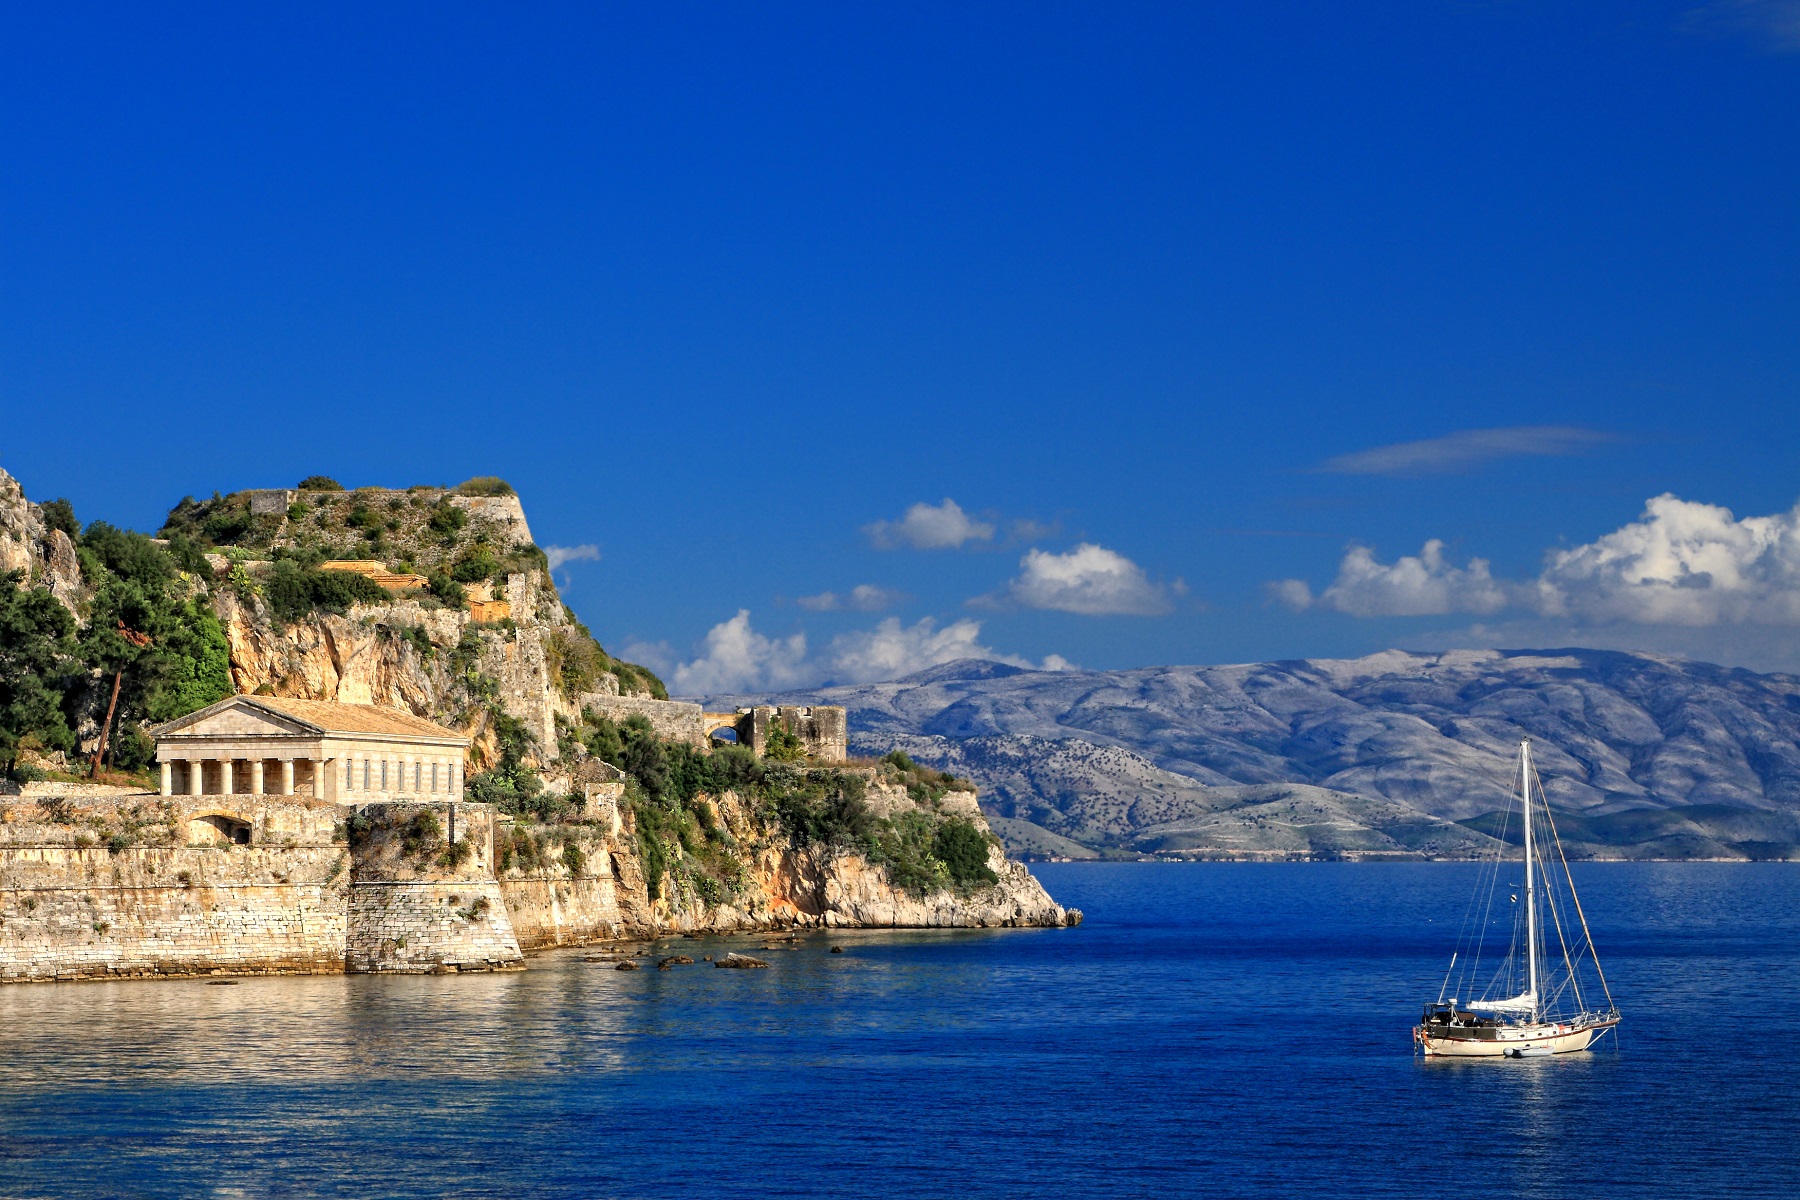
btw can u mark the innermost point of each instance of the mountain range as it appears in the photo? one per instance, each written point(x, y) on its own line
point(1397, 753)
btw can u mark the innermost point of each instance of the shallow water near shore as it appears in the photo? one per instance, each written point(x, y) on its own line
point(1217, 1029)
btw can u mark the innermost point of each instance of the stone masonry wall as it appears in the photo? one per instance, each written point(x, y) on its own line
point(423, 896)
point(429, 927)
point(122, 887)
point(674, 719)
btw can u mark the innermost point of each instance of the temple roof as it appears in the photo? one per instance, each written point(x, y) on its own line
point(318, 718)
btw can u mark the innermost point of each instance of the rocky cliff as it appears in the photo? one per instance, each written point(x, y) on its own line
point(465, 628)
point(588, 880)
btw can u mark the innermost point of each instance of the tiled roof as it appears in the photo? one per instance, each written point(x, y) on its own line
point(333, 717)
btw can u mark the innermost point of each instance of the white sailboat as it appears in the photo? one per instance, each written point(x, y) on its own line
point(1541, 999)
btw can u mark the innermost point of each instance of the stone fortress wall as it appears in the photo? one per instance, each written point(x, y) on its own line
point(823, 730)
point(423, 897)
point(140, 885)
point(239, 885)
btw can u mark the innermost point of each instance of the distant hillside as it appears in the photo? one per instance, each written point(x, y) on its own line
point(1642, 756)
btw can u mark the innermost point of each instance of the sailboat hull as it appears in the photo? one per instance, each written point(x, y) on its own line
point(1511, 1041)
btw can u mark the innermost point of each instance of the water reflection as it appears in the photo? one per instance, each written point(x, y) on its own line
point(1229, 1030)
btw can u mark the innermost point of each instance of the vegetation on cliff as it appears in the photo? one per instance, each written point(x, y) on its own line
point(419, 529)
point(148, 612)
point(671, 796)
point(142, 620)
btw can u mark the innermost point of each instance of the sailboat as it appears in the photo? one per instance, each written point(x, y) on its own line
point(1548, 995)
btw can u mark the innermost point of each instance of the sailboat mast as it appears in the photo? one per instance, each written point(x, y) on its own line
point(1531, 957)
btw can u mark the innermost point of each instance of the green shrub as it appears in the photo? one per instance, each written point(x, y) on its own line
point(60, 514)
point(294, 592)
point(575, 661)
point(225, 525)
point(364, 518)
point(476, 564)
point(963, 850)
point(195, 670)
point(447, 519)
point(923, 784)
point(416, 637)
point(446, 589)
point(783, 745)
point(419, 837)
point(320, 483)
point(297, 510)
point(37, 658)
point(484, 485)
point(186, 554)
point(509, 784)
point(456, 854)
point(903, 845)
point(829, 807)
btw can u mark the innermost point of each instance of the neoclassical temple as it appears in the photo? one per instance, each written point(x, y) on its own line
point(345, 753)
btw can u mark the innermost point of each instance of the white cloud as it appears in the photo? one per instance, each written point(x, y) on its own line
point(891, 649)
point(864, 597)
point(1681, 563)
point(1090, 580)
point(1290, 593)
point(1426, 585)
point(1467, 448)
point(927, 527)
point(558, 555)
point(736, 658)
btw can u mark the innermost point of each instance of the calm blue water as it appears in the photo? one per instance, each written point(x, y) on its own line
point(1220, 1030)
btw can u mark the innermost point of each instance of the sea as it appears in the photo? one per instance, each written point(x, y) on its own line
point(1211, 1029)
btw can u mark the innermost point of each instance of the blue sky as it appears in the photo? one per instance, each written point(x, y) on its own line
point(1148, 294)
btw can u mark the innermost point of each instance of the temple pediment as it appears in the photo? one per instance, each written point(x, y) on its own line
point(237, 717)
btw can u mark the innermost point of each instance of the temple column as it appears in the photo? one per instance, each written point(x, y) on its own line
point(287, 776)
point(256, 777)
point(168, 777)
point(225, 787)
point(324, 778)
point(196, 769)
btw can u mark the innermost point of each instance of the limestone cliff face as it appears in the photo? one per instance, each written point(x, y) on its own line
point(28, 544)
point(366, 657)
point(602, 891)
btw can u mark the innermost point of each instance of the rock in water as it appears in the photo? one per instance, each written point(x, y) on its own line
point(626, 965)
point(674, 960)
point(837, 949)
point(739, 960)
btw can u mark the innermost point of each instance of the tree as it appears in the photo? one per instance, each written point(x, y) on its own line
point(37, 647)
point(166, 654)
point(962, 848)
point(60, 514)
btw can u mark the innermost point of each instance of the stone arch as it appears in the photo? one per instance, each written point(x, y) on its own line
point(714, 724)
point(217, 827)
